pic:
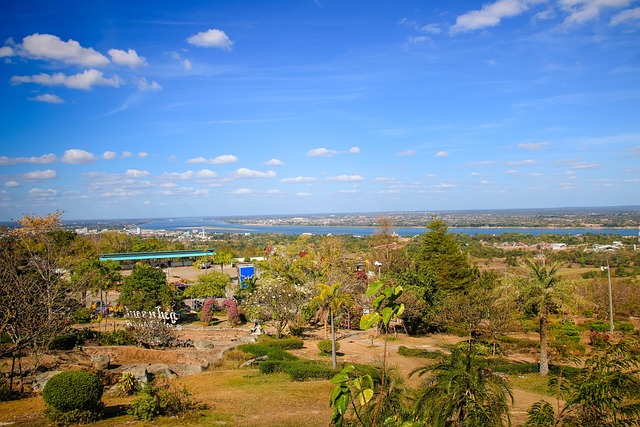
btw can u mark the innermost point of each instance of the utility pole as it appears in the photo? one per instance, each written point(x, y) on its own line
point(602, 268)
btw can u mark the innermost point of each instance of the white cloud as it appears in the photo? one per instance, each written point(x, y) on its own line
point(324, 152)
point(136, 173)
point(581, 11)
point(41, 193)
point(197, 160)
point(534, 146)
point(522, 163)
point(490, 15)
point(6, 51)
point(354, 150)
point(298, 179)
point(187, 65)
point(242, 191)
point(45, 174)
point(405, 153)
point(225, 159)
point(109, 155)
point(385, 179)
point(129, 58)
point(442, 154)
point(304, 194)
point(48, 98)
point(211, 38)
point(274, 162)
point(126, 154)
point(625, 16)
point(274, 192)
point(346, 178)
point(83, 81)
point(40, 160)
point(144, 85)
point(250, 173)
point(143, 154)
point(11, 184)
point(52, 48)
point(78, 157)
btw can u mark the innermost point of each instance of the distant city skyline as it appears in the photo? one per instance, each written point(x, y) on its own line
point(135, 109)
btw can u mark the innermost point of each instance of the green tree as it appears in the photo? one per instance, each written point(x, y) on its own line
point(605, 393)
point(542, 293)
point(209, 285)
point(145, 289)
point(222, 258)
point(460, 391)
point(328, 302)
point(440, 253)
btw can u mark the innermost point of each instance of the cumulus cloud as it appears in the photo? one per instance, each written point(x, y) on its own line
point(126, 154)
point(48, 98)
point(274, 162)
point(6, 51)
point(346, 178)
point(109, 155)
point(490, 15)
point(197, 160)
point(52, 48)
point(250, 173)
point(211, 38)
point(225, 159)
point(38, 175)
point(203, 174)
point(129, 58)
point(533, 146)
point(78, 157)
point(143, 154)
point(442, 154)
point(39, 160)
point(136, 173)
point(12, 184)
point(84, 81)
point(144, 85)
point(321, 152)
point(354, 150)
point(298, 179)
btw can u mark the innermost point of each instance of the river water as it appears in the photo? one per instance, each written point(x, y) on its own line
point(218, 226)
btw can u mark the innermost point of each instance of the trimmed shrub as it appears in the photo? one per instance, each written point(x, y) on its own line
point(624, 327)
point(296, 330)
point(265, 349)
point(517, 368)
point(566, 331)
point(210, 306)
point(598, 326)
point(325, 346)
point(73, 397)
point(300, 370)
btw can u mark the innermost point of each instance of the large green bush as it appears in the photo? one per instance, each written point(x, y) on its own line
point(73, 397)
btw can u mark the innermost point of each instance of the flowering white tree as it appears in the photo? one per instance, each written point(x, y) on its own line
point(278, 301)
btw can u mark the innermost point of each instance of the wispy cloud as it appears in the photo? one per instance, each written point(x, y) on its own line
point(321, 152)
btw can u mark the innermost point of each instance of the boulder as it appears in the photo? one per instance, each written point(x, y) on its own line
point(40, 380)
point(101, 361)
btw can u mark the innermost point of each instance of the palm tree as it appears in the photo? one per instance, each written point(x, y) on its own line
point(543, 293)
point(331, 301)
point(462, 392)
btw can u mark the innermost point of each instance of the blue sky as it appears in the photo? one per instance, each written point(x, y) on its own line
point(153, 109)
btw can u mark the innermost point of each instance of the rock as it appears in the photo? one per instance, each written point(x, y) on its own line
point(160, 370)
point(101, 361)
point(139, 372)
point(249, 339)
point(40, 380)
point(186, 369)
point(203, 344)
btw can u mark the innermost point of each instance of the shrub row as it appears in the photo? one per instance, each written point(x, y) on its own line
point(272, 348)
point(417, 352)
point(298, 370)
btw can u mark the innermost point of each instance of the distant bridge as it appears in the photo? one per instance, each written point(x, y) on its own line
point(133, 256)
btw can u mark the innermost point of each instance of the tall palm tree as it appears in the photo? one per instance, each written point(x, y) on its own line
point(330, 301)
point(460, 391)
point(543, 293)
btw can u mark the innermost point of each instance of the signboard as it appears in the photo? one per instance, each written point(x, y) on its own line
point(245, 271)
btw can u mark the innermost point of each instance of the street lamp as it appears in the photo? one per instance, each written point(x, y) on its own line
point(602, 268)
point(379, 265)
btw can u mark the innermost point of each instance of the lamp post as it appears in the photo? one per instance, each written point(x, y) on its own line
point(378, 264)
point(602, 268)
